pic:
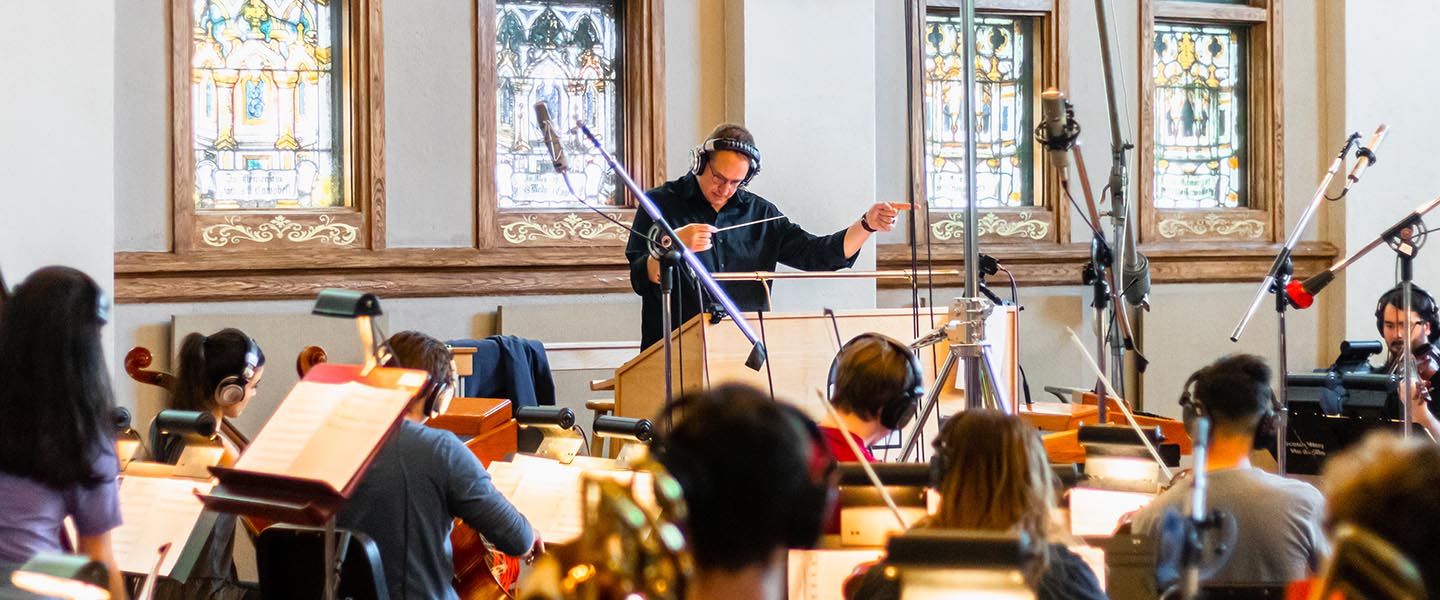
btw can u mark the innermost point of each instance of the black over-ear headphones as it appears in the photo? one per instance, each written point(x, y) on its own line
point(898, 407)
point(700, 156)
point(814, 498)
point(1424, 306)
point(1266, 430)
point(231, 390)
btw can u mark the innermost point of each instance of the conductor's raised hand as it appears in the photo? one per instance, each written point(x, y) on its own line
point(698, 237)
point(881, 216)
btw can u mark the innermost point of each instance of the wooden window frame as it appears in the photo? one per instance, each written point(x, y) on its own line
point(485, 267)
point(242, 233)
point(1048, 220)
point(1207, 259)
point(1261, 220)
point(641, 148)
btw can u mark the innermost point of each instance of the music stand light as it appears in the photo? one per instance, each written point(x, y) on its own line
point(202, 448)
point(363, 307)
point(632, 434)
point(557, 425)
point(69, 576)
point(934, 564)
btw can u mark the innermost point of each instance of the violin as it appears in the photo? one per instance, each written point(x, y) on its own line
point(1427, 364)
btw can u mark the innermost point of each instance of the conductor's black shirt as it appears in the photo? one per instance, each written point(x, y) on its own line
point(751, 248)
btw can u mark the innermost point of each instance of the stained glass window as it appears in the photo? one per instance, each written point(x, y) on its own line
point(1004, 111)
point(562, 53)
point(264, 99)
point(1199, 116)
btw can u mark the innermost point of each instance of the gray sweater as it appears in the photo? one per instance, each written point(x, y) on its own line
point(1277, 521)
point(444, 481)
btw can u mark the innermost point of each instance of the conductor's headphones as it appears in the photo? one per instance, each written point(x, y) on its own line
point(814, 498)
point(231, 390)
point(700, 156)
point(1192, 407)
point(898, 405)
point(1423, 304)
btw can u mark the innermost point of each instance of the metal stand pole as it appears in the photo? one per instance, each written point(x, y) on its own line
point(1282, 412)
point(972, 235)
point(1407, 385)
point(668, 264)
point(330, 566)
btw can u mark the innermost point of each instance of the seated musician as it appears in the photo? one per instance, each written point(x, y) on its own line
point(876, 382)
point(1391, 487)
point(1277, 520)
point(997, 478)
point(1424, 329)
point(421, 480)
point(57, 446)
point(219, 374)
point(756, 479)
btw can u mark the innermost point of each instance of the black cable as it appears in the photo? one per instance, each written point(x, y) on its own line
point(584, 438)
point(653, 242)
point(769, 379)
point(1065, 187)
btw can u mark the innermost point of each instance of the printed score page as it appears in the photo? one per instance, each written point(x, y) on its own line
point(549, 493)
point(325, 431)
point(155, 511)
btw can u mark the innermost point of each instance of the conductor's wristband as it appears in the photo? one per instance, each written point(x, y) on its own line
point(864, 224)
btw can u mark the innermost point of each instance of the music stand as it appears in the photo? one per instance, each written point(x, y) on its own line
point(1330, 412)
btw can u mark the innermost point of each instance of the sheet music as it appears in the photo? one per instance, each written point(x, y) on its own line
point(549, 493)
point(155, 511)
point(819, 574)
point(1098, 512)
point(317, 430)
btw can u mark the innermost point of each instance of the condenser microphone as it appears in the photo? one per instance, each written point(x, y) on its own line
point(1365, 157)
point(1057, 130)
point(552, 141)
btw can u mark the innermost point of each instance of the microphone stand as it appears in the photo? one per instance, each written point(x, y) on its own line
point(1275, 282)
point(688, 257)
point(1402, 239)
point(1125, 256)
point(1198, 521)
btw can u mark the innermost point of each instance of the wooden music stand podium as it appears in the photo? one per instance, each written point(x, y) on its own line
point(311, 455)
point(801, 348)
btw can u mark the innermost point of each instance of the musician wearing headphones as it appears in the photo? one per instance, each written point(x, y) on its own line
point(757, 480)
point(1423, 325)
point(711, 197)
point(218, 374)
point(875, 382)
point(421, 480)
point(1276, 520)
point(57, 441)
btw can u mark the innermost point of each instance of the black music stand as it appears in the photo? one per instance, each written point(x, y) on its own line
point(1330, 412)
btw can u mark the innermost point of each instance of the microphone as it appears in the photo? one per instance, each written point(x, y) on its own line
point(1299, 297)
point(1365, 157)
point(1057, 129)
point(552, 141)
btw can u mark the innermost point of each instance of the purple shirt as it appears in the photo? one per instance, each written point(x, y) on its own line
point(31, 513)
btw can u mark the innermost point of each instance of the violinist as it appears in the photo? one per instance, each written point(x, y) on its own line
point(1423, 325)
point(57, 446)
point(421, 480)
point(1277, 520)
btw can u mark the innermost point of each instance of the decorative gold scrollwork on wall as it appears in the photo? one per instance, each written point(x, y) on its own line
point(953, 226)
point(570, 227)
point(232, 232)
point(1211, 223)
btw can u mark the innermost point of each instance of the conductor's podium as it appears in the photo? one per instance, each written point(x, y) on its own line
point(800, 348)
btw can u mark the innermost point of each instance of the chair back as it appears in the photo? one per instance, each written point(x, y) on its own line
point(291, 559)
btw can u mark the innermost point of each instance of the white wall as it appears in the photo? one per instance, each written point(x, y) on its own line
point(810, 101)
point(57, 140)
point(1381, 85)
